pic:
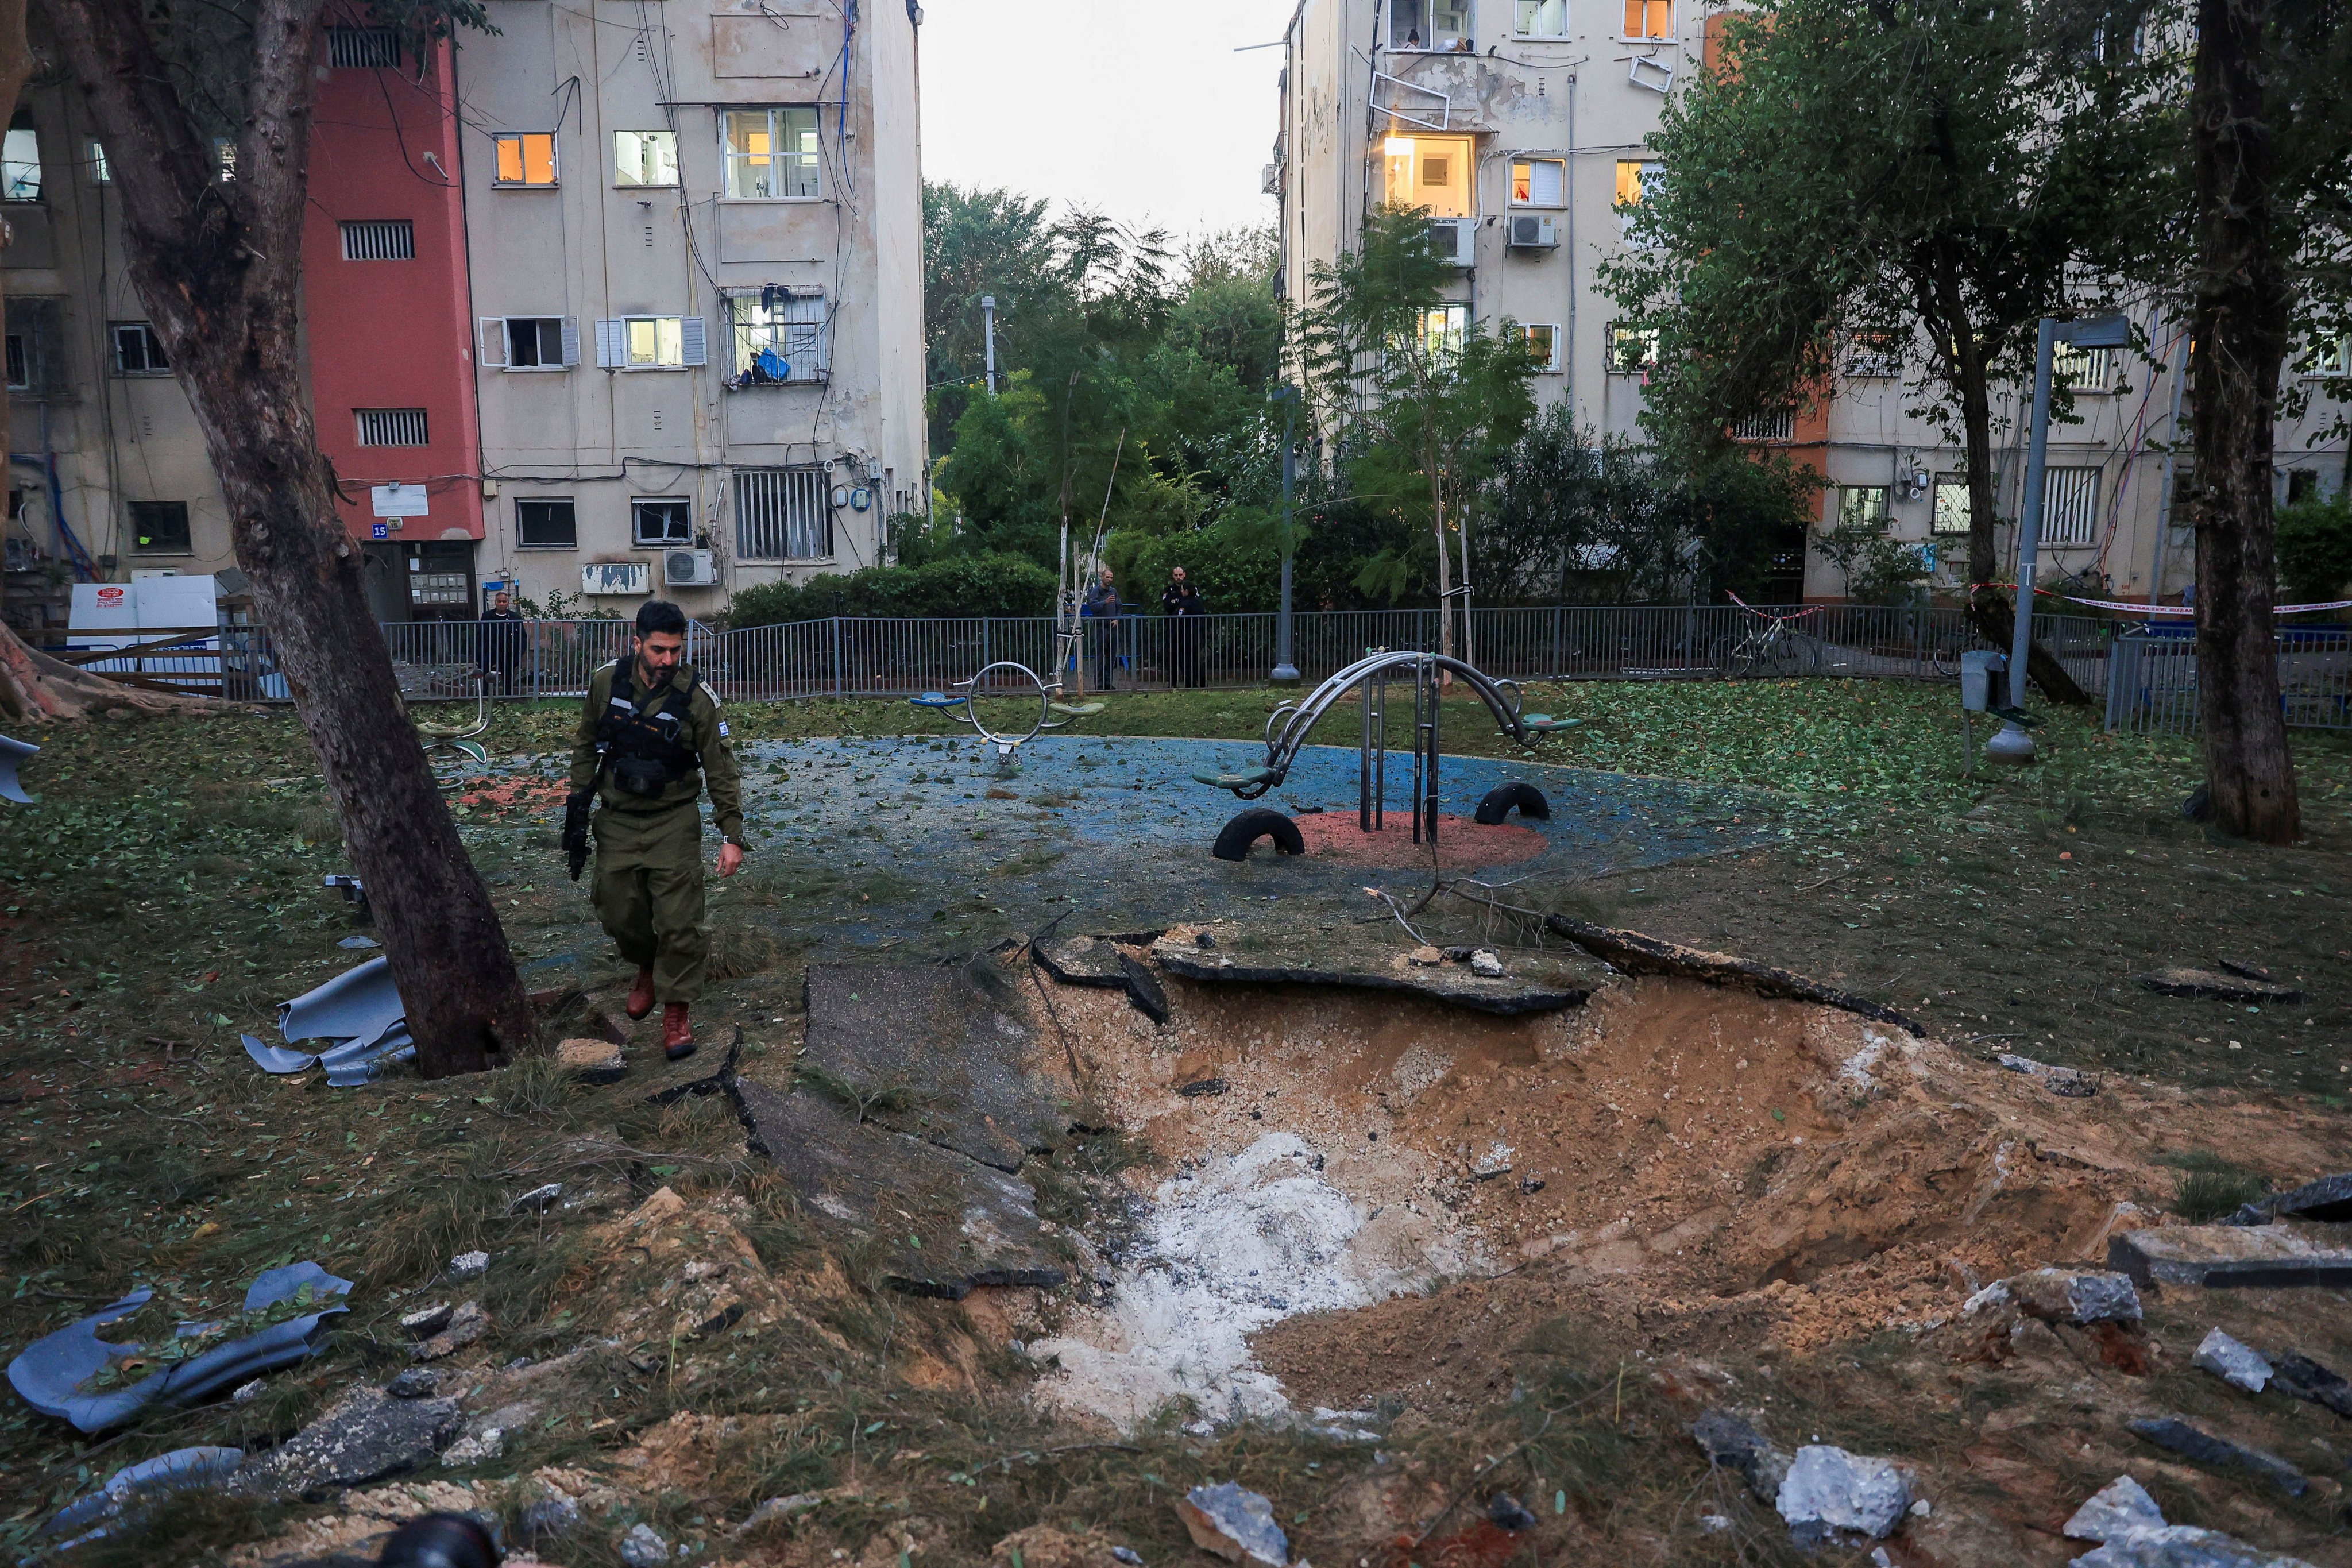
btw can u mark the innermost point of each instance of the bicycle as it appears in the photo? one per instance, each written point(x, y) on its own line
point(1772, 652)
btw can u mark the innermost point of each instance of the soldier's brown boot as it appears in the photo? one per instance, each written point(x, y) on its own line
point(677, 1035)
point(641, 994)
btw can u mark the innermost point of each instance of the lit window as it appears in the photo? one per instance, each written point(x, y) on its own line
point(644, 157)
point(1952, 506)
point(2333, 358)
point(780, 336)
point(1543, 18)
point(657, 521)
point(1543, 345)
point(1538, 183)
point(1441, 329)
point(100, 173)
point(138, 350)
point(1432, 171)
point(1649, 18)
point(772, 154)
point(20, 160)
point(1636, 179)
point(656, 342)
point(1633, 351)
point(526, 158)
point(1430, 24)
point(1862, 506)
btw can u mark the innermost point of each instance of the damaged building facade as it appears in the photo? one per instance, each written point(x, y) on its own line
point(1522, 127)
point(610, 302)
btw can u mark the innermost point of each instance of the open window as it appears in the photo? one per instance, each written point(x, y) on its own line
point(35, 365)
point(658, 521)
point(530, 343)
point(526, 159)
point(1433, 172)
point(1542, 19)
point(772, 154)
point(20, 160)
point(546, 523)
point(644, 158)
point(1440, 330)
point(1544, 344)
point(1430, 24)
point(651, 343)
point(780, 336)
point(1861, 507)
point(136, 350)
point(1539, 181)
point(1650, 19)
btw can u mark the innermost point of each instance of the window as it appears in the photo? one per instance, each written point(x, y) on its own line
point(1636, 179)
point(546, 525)
point(363, 49)
point(2070, 505)
point(1430, 24)
point(100, 172)
point(2333, 358)
point(1433, 172)
point(772, 154)
point(380, 239)
point(2302, 485)
point(138, 350)
point(781, 335)
point(391, 427)
point(657, 521)
point(644, 157)
point(526, 158)
point(2183, 512)
point(20, 160)
point(1862, 506)
point(2083, 370)
point(1872, 356)
point(160, 528)
point(1633, 351)
point(1773, 424)
point(782, 514)
point(650, 343)
point(531, 342)
point(1543, 345)
point(1542, 18)
point(33, 331)
point(1649, 18)
point(1953, 508)
point(225, 159)
point(1538, 183)
point(1440, 330)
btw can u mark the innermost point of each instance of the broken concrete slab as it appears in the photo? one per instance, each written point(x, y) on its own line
point(366, 1436)
point(1828, 1492)
point(2210, 985)
point(2240, 1365)
point(2305, 1379)
point(939, 1052)
point(1732, 1442)
point(1546, 981)
point(2327, 1200)
point(2117, 1508)
point(2270, 1257)
point(2182, 1546)
point(2194, 1443)
point(2077, 1296)
point(1236, 1523)
point(950, 1222)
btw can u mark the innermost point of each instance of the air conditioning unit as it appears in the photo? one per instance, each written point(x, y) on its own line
point(1534, 233)
point(1455, 240)
point(689, 569)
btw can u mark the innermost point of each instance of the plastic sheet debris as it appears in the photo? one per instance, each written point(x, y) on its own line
point(54, 1373)
point(359, 1010)
point(181, 1469)
point(11, 753)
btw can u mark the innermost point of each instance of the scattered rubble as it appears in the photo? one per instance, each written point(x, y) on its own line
point(467, 1325)
point(365, 1435)
point(2067, 1082)
point(427, 1321)
point(1235, 1524)
point(1052, 1546)
point(413, 1383)
point(539, 1200)
point(2173, 1433)
point(2080, 1296)
point(1829, 1493)
point(2242, 1366)
point(2129, 1526)
point(469, 1266)
point(642, 1548)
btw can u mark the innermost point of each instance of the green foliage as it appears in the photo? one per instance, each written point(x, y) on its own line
point(1236, 563)
point(1878, 570)
point(952, 585)
point(2315, 548)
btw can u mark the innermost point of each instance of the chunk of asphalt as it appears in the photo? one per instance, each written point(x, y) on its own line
point(1828, 1492)
point(1202, 1088)
point(539, 1200)
point(1543, 983)
point(592, 1061)
point(1143, 988)
point(2240, 1365)
point(2193, 1443)
point(1730, 1441)
point(2066, 1082)
point(2209, 985)
point(365, 1436)
point(467, 1325)
point(2117, 1508)
point(1081, 960)
point(469, 1264)
point(1234, 1523)
point(427, 1321)
point(413, 1383)
point(2078, 1295)
point(2307, 1378)
point(2327, 1201)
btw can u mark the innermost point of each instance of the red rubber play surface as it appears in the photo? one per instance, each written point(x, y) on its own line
point(1460, 843)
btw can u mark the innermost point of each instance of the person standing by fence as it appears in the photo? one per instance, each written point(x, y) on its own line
point(500, 643)
point(1101, 607)
point(1182, 602)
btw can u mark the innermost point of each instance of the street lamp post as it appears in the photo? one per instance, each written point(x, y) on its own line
point(987, 323)
point(2011, 743)
point(1285, 668)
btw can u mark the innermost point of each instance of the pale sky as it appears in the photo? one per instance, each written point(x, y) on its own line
point(1141, 110)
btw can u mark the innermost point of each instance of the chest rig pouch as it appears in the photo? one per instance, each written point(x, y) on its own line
point(645, 753)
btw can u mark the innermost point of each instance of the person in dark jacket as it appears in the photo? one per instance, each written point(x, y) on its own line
point(1101, 607)
point(1180, 600)
point(501, 643)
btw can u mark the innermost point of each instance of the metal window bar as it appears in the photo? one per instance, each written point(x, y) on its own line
point(782, 514)
point(392, 427)
point(363, 49)
point(380, 239)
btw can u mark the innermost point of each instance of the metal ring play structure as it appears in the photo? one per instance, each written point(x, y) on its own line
point(1287, 727)
point(1007, 743)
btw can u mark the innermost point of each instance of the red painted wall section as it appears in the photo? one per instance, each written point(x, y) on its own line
point(393, 334)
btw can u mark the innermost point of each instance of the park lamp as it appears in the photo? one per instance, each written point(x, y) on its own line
point(2011, 743)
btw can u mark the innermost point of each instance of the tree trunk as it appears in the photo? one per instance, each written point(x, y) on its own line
point(219, 267)
point(35, 688)
point(2241, 334)
point(16, 69)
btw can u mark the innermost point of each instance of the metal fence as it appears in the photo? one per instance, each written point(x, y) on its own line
point(2152, 680)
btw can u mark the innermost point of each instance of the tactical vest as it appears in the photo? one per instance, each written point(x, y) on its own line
point(647, 754)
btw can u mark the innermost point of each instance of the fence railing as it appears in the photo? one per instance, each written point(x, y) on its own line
point(2152, 682)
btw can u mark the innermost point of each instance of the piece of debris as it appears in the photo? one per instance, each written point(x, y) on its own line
point(413, 1383)
point(469, 1264)
point(357, 943)
point(359, 1004)
point(2172, 1433)
point(539, 1200)
point(2245, 971)
point(54, 1373)
point(1081, 960)
point(2077, 1296)
point(1494, 1161)
point(2182, 1546)
point(2327, 1200)
point(1143, 988)
point(365, 1435)
point(1201, 1088)
point(181, 1469)
point(1531, 1184)
point(2208, 985)
point(1488, 963)
point(1235, 1524)
point(2068, 1082)
point(2240, 1365)
point(1302, 955)
point(1427, 957)
point(1827, 1491)
point(489, 1442)
point(427, 1321)
point(468, 1323)
point(246, 1393)
point(1202, 938)
point(1635, 953)
point(642, 1548)
point(1128, 1555)
point(1505, 1512)
point(783, 1508)
point(2268, 1256)
point(2117, 1508)
point(553, 1515)
point(2307, 1378)
point(1731, 1442)
point(441, 1540)
point(592, 1061)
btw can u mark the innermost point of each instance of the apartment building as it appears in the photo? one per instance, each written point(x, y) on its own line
point(1522, 126)
point(617, 300)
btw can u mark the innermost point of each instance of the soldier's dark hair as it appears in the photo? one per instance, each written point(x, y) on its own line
point(660, 616)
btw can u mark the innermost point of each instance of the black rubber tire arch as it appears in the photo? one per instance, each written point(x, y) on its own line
point(1499, 801)
point(1234, 840)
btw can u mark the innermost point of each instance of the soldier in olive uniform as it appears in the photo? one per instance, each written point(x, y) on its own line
point(650, 735)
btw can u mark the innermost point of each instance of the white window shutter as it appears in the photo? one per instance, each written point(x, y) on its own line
point(611, 343)
point(570, 341)
point(493, 337)
point(693, 348)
